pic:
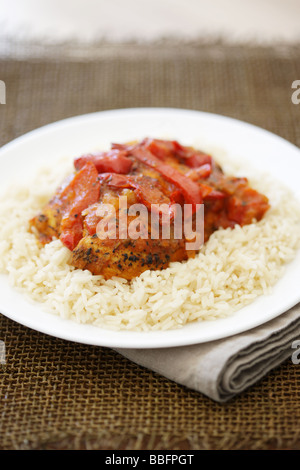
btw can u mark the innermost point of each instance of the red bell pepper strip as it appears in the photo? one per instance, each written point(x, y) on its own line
point(164, 148)
point(171, 148)
point(215, 194)
point(70, 237)
point(114, 161)
point(201, 172)
point(196, 159)
point(82, 191)
point(193, 192)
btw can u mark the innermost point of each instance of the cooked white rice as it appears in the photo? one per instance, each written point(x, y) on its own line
point(231, 270)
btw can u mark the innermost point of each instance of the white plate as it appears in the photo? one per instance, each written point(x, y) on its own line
point(73, 136)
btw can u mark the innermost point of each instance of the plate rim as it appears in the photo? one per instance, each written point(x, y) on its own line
point(74, 118)
point(138, 344)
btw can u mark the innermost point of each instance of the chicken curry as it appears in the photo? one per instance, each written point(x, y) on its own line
point(151, 172)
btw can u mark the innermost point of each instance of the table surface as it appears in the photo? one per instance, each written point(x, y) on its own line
point(60, 395)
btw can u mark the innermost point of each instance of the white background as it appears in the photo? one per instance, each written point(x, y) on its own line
point(263, 21)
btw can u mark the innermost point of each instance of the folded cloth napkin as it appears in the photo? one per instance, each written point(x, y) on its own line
point(224, 368)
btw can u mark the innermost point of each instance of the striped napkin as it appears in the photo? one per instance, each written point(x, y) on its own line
point(224, 368)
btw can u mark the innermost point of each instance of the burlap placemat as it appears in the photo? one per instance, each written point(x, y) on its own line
point(58, 394)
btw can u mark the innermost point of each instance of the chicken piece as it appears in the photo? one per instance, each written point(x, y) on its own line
point(47, 223)
point(125, 258)
point(105, 251)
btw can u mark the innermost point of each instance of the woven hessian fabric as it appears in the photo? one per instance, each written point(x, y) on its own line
point(57, 394)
